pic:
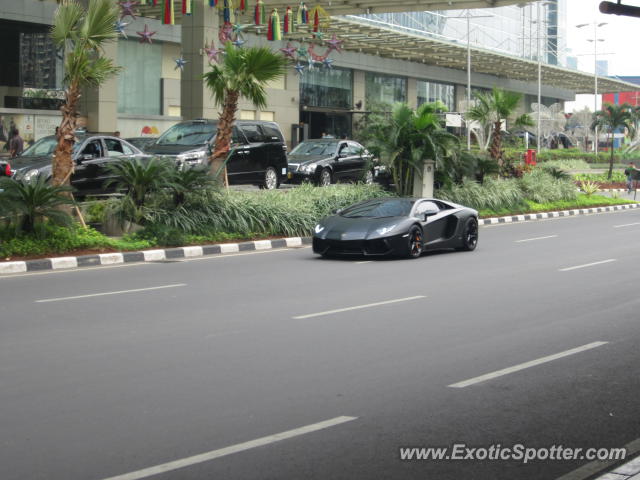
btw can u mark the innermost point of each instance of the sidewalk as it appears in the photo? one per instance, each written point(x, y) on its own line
point(626, 471)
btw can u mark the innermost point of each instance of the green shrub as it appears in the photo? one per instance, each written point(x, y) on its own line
point(616, 177)
point(566, 164)
point(542, 187)
point(589, 188)
point(493, 194)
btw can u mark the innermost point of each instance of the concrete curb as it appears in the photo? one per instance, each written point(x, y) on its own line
point(148, 255)
point(563, 213)
point(57, 263)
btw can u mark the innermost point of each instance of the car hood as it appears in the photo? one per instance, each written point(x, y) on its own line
point(307, 159)
point(155, 149)
point(29, 162)
point(342, 228)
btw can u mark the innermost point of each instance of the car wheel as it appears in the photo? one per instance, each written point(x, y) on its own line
point(325, 177)
point(415, 245)
point(270, 179)
point(368, 177)
point(469, 235)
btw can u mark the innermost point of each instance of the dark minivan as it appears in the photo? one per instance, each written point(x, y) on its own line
point(259, 152)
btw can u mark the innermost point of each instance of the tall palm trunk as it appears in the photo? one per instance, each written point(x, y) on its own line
point(63, 163)
point(611, 158)
point(496, 142)
point(225, 129)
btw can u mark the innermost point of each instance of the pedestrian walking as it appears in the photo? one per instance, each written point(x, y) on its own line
point(16, 144)
point(630, 172)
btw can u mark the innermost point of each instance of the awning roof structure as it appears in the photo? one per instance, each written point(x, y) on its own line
point(375, 38)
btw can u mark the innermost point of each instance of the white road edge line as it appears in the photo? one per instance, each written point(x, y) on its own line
point(357, 307)
point(364, 261)
point(239, 447)
point(522, 366)
point(46, 300)
point(626, 225)
point(586, 265)
point(535, 238)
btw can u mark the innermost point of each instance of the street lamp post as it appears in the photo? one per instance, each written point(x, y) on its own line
point(595, 41)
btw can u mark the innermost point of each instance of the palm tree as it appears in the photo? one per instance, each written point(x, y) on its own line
point(612, 118)
point(491, 109)
point(406, 138)
point(81, 34)
point(243, 72)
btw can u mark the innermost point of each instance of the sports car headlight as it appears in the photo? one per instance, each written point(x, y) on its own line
point(384, 230)
point(309, 168)
point(192, 157)
point(30, 175)
point(319, 228)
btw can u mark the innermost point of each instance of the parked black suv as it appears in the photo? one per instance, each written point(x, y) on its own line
point(259, 152)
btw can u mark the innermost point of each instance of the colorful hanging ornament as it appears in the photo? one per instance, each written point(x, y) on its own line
point(180, 63)
point(227, 9)
point(273, 31)
point(127, 9)
point(226, 33)
point(238, 42)
point(302, 52)
point(299, 68)
point(186, 7)
point(288, 21)
point(259, 16)
point(238, 29)
point(243, 6)
point(327, 62)
point(334, 44)
point(119, 26)
point(321, 18)
point(289, 51)
point(302, 15)
point(145, 35)
point(213, 53)
point(213, 3)
point(314, 56)
point(169, 17)
point(318, 35)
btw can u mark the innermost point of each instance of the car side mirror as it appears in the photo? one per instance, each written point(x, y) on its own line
point(336, 211)
point(429, 212)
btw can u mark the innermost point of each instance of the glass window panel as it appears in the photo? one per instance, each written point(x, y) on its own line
point(331, 88)
point(429, 92)
point(139, 89)
point(384, 89)
point(247, 114)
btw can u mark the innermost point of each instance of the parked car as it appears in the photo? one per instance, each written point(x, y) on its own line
point(141, 142)
point(328, 160)
point(258, 150)
point(91, 154)
point(397, 226)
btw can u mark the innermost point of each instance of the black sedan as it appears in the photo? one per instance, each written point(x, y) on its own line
point(397, 226)
point(91, 154)
point(325, 161)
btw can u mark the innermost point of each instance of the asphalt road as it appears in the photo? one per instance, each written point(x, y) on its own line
point(219, 355)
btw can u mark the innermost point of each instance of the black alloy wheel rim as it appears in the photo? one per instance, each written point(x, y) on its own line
point(368, 178)
point(325, 178)
point(415, 245)
point(471, 238)
point(271, 179)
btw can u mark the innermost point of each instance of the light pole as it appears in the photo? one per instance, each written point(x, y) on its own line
point(595, 41)
point(538, 54)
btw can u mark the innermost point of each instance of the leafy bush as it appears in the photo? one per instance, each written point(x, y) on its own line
point(542, 187)
point(589, 188)
point(494, 194)
point(566, 164)
point(616, 177)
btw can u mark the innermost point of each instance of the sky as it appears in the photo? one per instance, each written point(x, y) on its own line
point(620, 37)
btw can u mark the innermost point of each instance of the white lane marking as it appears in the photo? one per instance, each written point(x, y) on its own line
point(364, 261)
point(535, 238)
point(567, 269)
point(522, 366)
point(626, 225)
point(222, 452)
point(357, 307)
point(175, 285)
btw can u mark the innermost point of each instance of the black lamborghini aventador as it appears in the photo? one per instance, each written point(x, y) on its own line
point(397, 226)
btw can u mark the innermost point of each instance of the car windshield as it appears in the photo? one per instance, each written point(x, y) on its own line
point(42, 148)
point(315, 148)
point(395, 207)
point(197, 133)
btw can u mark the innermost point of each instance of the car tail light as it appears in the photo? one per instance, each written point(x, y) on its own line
point(7, 170)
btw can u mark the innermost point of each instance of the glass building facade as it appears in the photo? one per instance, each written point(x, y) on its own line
point(327, 88)
point(139, 83)
point(429, 92)
point(384, 89)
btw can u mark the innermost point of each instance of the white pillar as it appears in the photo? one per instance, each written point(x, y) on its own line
point(423, 184)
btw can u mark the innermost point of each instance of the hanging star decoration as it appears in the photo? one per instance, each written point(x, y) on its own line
point(226, 33)
point(146, 34)
point(180, 63)
point(335, 44)
point(289, 51)
point(213, 53)
point(238, 30)
point(327, 62)
point(299, 68)
point(311, 64)
point(119, 26)
point(302, 52)
point(127, 9)
point(238, 42)
point(318, 35)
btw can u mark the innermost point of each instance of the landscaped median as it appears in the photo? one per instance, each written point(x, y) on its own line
point(210, 221)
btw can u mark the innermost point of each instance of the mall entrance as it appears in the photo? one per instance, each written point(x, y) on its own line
point(336, 124)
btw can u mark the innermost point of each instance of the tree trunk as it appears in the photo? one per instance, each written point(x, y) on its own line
point(611, 159)
point(496, 144)
point(62, 163)
point(223, 136)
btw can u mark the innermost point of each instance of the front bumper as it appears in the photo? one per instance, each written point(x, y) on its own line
point(301, 177)
point(377, 247)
